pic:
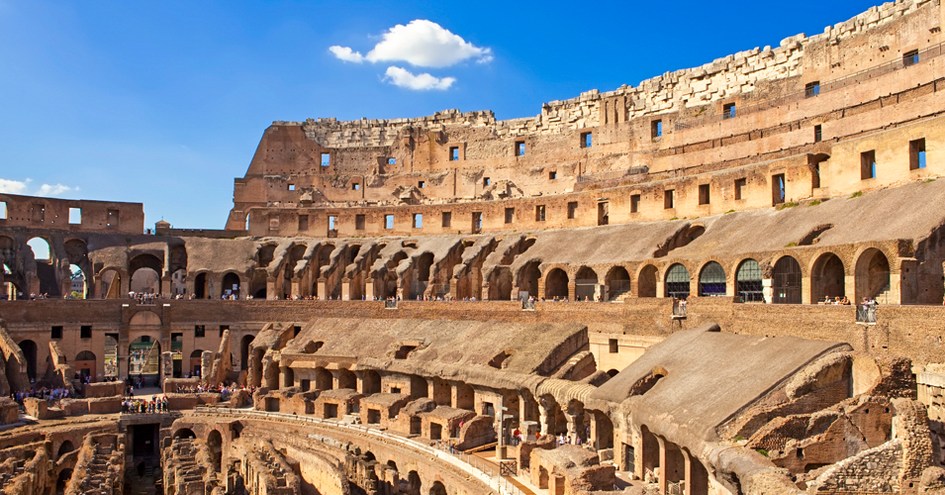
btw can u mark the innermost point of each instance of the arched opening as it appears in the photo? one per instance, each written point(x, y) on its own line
point(195, 360)
point(370, 382)
point(62, 481)
point(244, 351)
point(231, 285)
point(215, 445)
point(346, 379)
point(144, 360)
point(872, 276)
point(604, 431)
point(586, 286)
point(618, 282)
point(651, 450)
point(500, 284)
point(145, 281)
point(827, 279)
point(295, 254)
point(258, 286)
point(84, 364)
point(10, 289)
point(556, 285)
point(422, 280)
point(77, 282)
point(646, 283)
point(528, 278)
point(712, 280)
point(29, 353)
point(45, 266)
point(677, 282)
point(64, 449)
point(323, 379)
point(201, 290)
point(413, 483)
point(437, 488)
point(110, 357)
point(145, 270)
point(184, 433)
point(748, 285)
point(110, 280)
point(786, 281)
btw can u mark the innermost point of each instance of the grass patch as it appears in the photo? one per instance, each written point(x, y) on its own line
point(791, 244)
point(729, 211)
point(814, 202)
point(790, 204)
point(930, 179)
point(856, 194)
point(763, 452)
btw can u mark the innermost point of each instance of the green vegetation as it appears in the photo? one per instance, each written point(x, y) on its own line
point(856, 194)
point(790, 204)
point(763, 452)
point(791, 244)
point(814, 202)
point(729, 211)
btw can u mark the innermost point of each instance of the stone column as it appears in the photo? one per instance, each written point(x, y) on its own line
point(369, 289)
point(346, 289)
point(166, 286)
point(322, 289)
point(767, 290)
point(662, 475)
point(296, 288)
point(572, 290)
point(271, 292)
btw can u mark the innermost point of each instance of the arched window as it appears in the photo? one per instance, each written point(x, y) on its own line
point(786, 281)
point(677, 282)
point(748, 281)
point(712, 280)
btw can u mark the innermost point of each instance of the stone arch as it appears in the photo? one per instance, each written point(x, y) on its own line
point(145, 273)
point(144, 358)
point(646, 281)
point(786, 279)
point(64, 448)
point(712, 280)
point(556, 284)
point(231, 284)
point(586, 284)
point(62, 481)
point(828, 278)
point(413, 483)
point(323, 379)
point(45, 267)
point(84, 363)
point(872, 276)
point(528, 277)
point(196, 358)
point(618, 282)
point(424, 265)
point(346, 379)
point(500, 284)
point(677, 281)
point(438, 488)
point(79, 266)
point(748, 285)
point(184, 433)
point(179, 282)
point(371, 382)
point(215, 446)
point(202, 286)
point(29, 349)
point(78, 282)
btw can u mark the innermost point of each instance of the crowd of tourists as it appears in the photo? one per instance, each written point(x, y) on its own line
point(48, 394)
point(143, 406)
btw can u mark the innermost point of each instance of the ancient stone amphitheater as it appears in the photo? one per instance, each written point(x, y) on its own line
point(631, 292)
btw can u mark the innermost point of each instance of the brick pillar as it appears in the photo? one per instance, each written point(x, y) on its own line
point(662, 483)
point(346, 289)
point(369, 290)
point(272, 293)
point(322, 289)
point(572, 289)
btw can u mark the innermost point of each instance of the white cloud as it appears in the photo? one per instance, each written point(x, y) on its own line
point(424, 43)
point(398, 76)
point(346, 54)
point(11, 186)
point(53, 189)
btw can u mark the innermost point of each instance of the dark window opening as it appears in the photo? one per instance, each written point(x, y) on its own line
point(404, 351)
point(477, 222)
point(303, 222)
point(917, 154)
point(85, 331)
point(634, 203)
point(421, 184)
point(552, 175)
point(868, 165)
point(572, 209)
point(614, 346)
point(55, 332)
point(540, 213)
point(520, 148)
point(199, 330)
point(359, 222)
point(668, 199)
point(778, 189)
point(910, 58)
point(818, 133)
point(704, 198)
point(603, 213)
point(356, 186)
point(454, 153)
point(587, 139)
point(509, 215)
point(728, 111)
point(486, 182)
point(656, 129)
point(812, 89)
point(223, 328)
point(815, 176)
point(296, 330)
point(447, 220)
point(740, 188)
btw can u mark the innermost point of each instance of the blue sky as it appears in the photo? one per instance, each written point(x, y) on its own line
point(164, 102)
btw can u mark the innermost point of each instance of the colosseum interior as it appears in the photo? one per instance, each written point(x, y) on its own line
point(634, 291)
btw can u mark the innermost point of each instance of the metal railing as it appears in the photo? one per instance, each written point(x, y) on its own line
point(476, 467)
